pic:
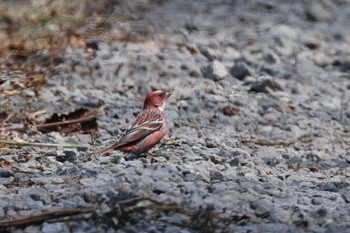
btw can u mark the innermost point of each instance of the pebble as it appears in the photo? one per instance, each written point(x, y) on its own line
point(67, 155)
point(319, 11)
point(264, 84)
point(230, 110)
point(57, 227)
point(261, 208)
point(6, 173)
point(239, 70)
point(215, 71)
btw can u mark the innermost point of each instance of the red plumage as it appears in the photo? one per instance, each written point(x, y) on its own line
point(149, 127)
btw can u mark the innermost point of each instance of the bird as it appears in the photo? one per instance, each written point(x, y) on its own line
point(147, 130)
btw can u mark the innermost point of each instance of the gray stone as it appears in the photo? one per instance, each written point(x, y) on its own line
point(319, 11)
point(239, 70)
point(6, 173)
point(39, 194)
point(209, 54)
point(346, 195)
point(261, 208)
point(68, 155)
point(58, 227)
point(31, 229)
point(215, 71)
point(263, 84)
point(216, 176)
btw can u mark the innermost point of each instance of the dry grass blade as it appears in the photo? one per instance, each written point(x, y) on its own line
point(38, 144)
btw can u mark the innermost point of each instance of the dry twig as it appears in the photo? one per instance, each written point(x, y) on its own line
point(39, 144)
point(120, 210)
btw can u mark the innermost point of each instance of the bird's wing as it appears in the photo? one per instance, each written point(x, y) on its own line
point(145, 123)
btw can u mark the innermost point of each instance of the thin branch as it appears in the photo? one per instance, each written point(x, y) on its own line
point(73, 214)
point(171, 208)
point(39, 144)
point(135, 200)
point(39, 218)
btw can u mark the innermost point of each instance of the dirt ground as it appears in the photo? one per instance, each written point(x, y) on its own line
point(259, 115)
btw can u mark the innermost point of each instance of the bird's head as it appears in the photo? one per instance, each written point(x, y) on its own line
point(156, 99)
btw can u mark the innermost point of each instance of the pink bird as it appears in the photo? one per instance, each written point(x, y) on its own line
point(147, 130)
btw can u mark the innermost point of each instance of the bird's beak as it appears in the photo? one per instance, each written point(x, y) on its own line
point(167, 95)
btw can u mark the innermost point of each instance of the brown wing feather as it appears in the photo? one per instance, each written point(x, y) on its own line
point(145, 123)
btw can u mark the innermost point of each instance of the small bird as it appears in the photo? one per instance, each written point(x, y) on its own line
point(149, 127)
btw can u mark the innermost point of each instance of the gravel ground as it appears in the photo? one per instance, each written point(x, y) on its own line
point(259, 123)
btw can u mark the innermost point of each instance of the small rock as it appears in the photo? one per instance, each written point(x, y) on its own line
point(182, 104)
point(2, 213)
point(274, 161)
point(191, 27)
point(343, 64)
point(263, 84)
point(194, 73)
point(239, 70)
point(239, 152)
point(92, 44)
point(260, 208)
point(347, 159)
point(146, 48)
point(30, 229)
point(28, 93)
point(270, 70)
point(270, 58)
point(50, 153)
point(230, 110)
point(316, 201)
point(346, 196)
point(67, 155)
point(322, 212)
point(68, 170)
point(319, 11)
point(321, 59)
point(39, 194)
point(192, 49)
point(234, 162)
point(5, 173)
point(312, 44)
point(216, 159)
point(208, 53)
point(210, 143)
point(54, 227)
point(215, 98)
point(215, 71)
point(216, 175)
point(285, 33)
point(328, 186)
